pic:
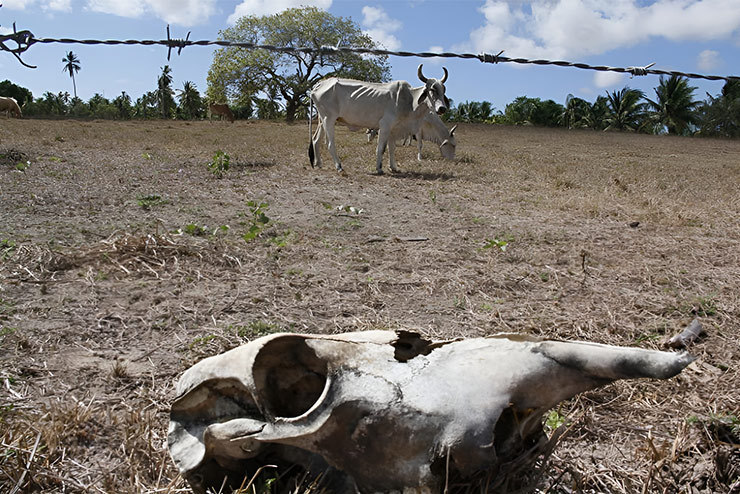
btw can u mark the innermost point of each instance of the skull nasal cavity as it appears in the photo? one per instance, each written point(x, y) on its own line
point(289, 377)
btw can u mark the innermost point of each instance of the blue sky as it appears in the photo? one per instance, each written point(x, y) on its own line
point(688, 35)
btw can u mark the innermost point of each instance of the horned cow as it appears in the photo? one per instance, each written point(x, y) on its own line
point(10, 106)
point(395, 108)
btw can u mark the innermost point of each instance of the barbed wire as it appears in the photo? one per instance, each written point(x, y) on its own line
point(25, 39)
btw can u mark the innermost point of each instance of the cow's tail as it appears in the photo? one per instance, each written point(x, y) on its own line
point(311, 152)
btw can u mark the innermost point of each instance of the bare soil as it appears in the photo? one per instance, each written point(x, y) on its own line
point(123, 262)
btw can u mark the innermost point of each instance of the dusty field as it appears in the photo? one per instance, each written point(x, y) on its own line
point(118, 271)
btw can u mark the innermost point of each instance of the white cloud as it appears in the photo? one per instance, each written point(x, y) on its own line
point(708, 60)
point(608, 79)
point(183, 12)
point(59, 5)
point(269, 7)
point(577, 28)
point(49, 5)
point(16, 4)
point(380, 27)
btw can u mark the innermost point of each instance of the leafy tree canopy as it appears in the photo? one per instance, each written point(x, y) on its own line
point(286, 78)
point(19, 93)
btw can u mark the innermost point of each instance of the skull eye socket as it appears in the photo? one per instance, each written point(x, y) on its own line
point(289, 377)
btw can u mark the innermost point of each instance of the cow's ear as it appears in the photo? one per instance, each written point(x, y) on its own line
point(422, 96)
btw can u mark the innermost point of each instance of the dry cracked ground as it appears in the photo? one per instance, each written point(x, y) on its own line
point(124, 259)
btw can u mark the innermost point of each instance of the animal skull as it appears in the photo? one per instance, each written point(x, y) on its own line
point(381, 411)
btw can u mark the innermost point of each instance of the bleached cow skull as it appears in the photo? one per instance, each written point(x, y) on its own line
point(381, 411)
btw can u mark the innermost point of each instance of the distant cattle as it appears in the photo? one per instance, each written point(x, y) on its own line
point(10, 107)
point(433, 130)
point(221, 110)
point(395, 108)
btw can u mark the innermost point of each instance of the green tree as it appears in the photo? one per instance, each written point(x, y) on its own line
point(19, 93)
point(165, 94)
point(720, 115)
point(123, 106)
point(71, 66)
point(576, 112)
point(533, 111)
point(596, 116)
point(147, 105)
point(674, 106)
point(547, 114)
point(191, 104)
point(472, 111)
point(624, 110)
point(237, 73)
point(520, 111)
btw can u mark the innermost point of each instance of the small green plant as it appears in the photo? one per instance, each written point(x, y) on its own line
point(7, 331)
point(6, 309)
point(7, 247)
point(704, 306)
point(258, 220)
point(202, 340)
point(22, 166)
point(195, 230)
point(500, 243)
point(281, 240)
point(433, 196)
point(146, 156)
point(349, 209)
point(219, 164)
point(149, 201)
point(255, 329)
point(554, 420)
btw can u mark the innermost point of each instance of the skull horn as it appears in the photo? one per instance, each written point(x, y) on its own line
point(421, 76)
point(445, 76)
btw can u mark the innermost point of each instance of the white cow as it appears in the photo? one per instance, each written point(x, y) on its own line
point(395, 108)
point(433, 130)
point(10, 106)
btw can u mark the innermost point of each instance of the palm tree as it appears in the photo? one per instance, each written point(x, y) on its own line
point(720, 115)
point(190, 100)
point(674, 107)
point(71, 65)
point(575, 114)
point(164, 92)
point(624, 110)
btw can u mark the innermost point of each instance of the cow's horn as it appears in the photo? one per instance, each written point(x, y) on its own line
point(452, 130)
point(445, 76)
point(421, 76)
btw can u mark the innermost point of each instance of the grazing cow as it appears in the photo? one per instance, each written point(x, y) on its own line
point(395, 108)
point(222, 110)
point(433, 130)
point(10, 106)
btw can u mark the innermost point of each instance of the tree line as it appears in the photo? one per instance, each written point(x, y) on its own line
point(673, 110)
point(274, 84)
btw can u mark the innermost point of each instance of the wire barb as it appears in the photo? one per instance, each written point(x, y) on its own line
point(639, 70)
point(178, 43)
point(488, 58)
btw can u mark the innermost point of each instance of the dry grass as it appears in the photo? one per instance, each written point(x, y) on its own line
point(104, 300)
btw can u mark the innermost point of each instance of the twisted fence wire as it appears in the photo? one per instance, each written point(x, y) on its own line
point(25, 39)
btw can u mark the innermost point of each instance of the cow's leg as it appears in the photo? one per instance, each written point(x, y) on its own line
point(384, 141)
point(392, 155)
point(418, 145)
point(316, 144)
point(328, 125)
